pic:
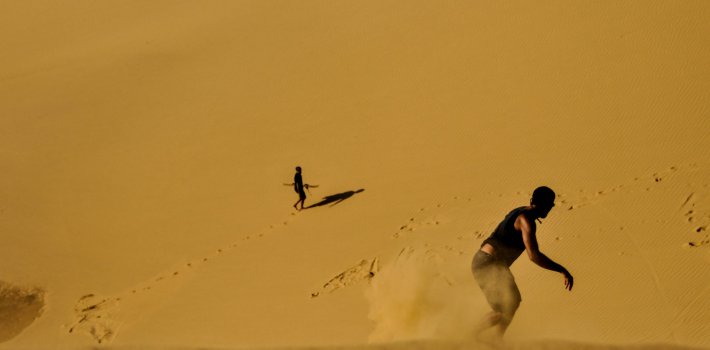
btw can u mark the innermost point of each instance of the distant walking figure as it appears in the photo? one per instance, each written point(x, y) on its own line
point(515, 234)
point(299, 188)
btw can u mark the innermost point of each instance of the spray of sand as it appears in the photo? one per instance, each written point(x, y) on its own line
point(415, 297)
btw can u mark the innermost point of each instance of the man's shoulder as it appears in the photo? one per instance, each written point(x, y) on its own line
point(518, 212)
point(521, 218)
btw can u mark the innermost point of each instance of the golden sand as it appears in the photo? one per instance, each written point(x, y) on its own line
point(143, 148)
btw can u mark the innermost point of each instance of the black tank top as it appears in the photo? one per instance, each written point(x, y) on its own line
point(507, 241)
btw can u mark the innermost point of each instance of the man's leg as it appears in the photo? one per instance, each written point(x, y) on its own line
point(489, 320)
point(510, 301)
point(485, 272)
point(503, 324)
point(502, 294)
point(303, 200)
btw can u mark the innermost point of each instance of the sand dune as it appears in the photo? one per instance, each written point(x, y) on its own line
point(144, 147)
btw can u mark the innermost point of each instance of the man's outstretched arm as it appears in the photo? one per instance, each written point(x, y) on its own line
point(537, 256)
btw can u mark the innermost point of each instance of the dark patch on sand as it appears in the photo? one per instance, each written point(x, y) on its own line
point(19, 307)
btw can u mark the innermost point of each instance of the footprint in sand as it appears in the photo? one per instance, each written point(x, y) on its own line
point(365, 270)
point(693, 214)
point(413, 224)
point(94, 317)
point(477, 234)
point(405, 227)
point(689, 216)
point(700, 243)
point(582, 200)
point(19, 308)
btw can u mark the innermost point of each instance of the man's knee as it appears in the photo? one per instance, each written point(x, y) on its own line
point(511, 306)
point(517, 298)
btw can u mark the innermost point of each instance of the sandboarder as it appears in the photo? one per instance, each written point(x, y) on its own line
point(299, 188)
point(491, 263)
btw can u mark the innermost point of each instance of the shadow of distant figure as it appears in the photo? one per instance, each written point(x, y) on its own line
point(335, 198)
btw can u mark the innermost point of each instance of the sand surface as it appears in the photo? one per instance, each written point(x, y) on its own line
point(144, 146)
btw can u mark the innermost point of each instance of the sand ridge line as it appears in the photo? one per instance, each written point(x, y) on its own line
point(570, 202)
point(646, 182)
point(218, 252)
point(96, 315)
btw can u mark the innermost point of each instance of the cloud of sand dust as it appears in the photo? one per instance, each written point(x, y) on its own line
point(415, 298)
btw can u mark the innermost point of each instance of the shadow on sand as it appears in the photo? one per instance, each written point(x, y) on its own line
point(335, 198)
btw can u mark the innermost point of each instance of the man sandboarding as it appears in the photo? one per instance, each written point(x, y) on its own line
point(491, 263)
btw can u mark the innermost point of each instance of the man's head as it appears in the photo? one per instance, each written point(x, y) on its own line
point(543, 199)
point(298, 169)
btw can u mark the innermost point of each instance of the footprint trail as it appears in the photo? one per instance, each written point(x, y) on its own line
point(98, 316)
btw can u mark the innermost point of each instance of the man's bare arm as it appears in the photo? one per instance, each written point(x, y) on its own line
point(536, 255)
